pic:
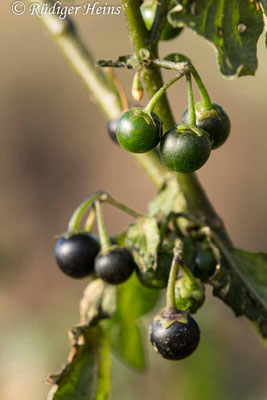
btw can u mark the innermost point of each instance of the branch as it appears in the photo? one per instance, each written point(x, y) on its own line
point(196, 199)
point(102, 88)
point(159, 21)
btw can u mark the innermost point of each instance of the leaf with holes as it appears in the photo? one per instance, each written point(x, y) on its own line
point(233, 26)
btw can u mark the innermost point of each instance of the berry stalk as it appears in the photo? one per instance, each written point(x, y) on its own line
point(153, 101)
point(103, 235)
point(190, 97)
point(170, 295)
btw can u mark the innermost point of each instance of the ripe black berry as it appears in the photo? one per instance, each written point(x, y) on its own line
point(204, 264)
point(215, 122)
point(174, 334)
point(75, 256)
point(112, 126)
point(115, 266)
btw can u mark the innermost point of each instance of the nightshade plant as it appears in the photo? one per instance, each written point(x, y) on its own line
point(181, 243)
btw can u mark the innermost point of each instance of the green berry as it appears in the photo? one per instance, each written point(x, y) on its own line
point(138, 131)
point(183, 150)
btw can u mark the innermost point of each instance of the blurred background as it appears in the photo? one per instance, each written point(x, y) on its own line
point(55, 151)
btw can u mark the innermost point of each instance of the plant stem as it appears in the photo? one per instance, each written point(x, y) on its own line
point(188, 273)
point(102, 232)
point(159, 21)
point(205, 98)
point(151, 104)
point(190, 96)
point(206, 101)
point(88, 226)
point(79, 57)
point(74, 224)
point(170, 295)
point(122, 207)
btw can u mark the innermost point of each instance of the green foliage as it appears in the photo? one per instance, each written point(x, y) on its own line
point(86, 375)
point(143, 237)
point(133, 301)
point(242, 284)
point(232, 26)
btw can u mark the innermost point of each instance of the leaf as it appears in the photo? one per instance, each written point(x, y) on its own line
point(98, 301)
point(87, 372)
point(233, 26)
point(169, 199)
point(86, 375)
point(244, 287)
point(143, 237)
point(134, 301)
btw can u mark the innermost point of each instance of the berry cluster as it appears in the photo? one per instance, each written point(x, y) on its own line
point(185, 147)
point(174, 332)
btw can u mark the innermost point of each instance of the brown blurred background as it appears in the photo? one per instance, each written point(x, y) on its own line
point(54, 152)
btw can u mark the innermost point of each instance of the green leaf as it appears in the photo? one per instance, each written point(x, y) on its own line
point(244, 286)
point(233, 26)
point(143, 237)
point(86, 375)
point(133, 301)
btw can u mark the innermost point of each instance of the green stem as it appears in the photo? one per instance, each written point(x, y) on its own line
point(205, 98)
point(151, 104)
point(159, 20)
point(122, 207)
point(74, 224)
point(102, 232)
point(83, 62)
point(188, 273)
point(206, 101)
point(170, 295)
point(190, 96)
point(89, 223)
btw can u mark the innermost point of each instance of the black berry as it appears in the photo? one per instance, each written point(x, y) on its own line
point(115, 266)
point(112, 126)
point(75, 256)
point(174, 334)
point(215, 122)
point(204, 264)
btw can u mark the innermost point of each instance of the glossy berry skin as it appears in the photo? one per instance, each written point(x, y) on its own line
point(115, 266)
point(75, 256)
point(137, 131)
point(215, 122)
point(174, 334)
point(168, 32)
point(183, 150)
point(204, 264)
point(112, 126)
point(157, 278)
